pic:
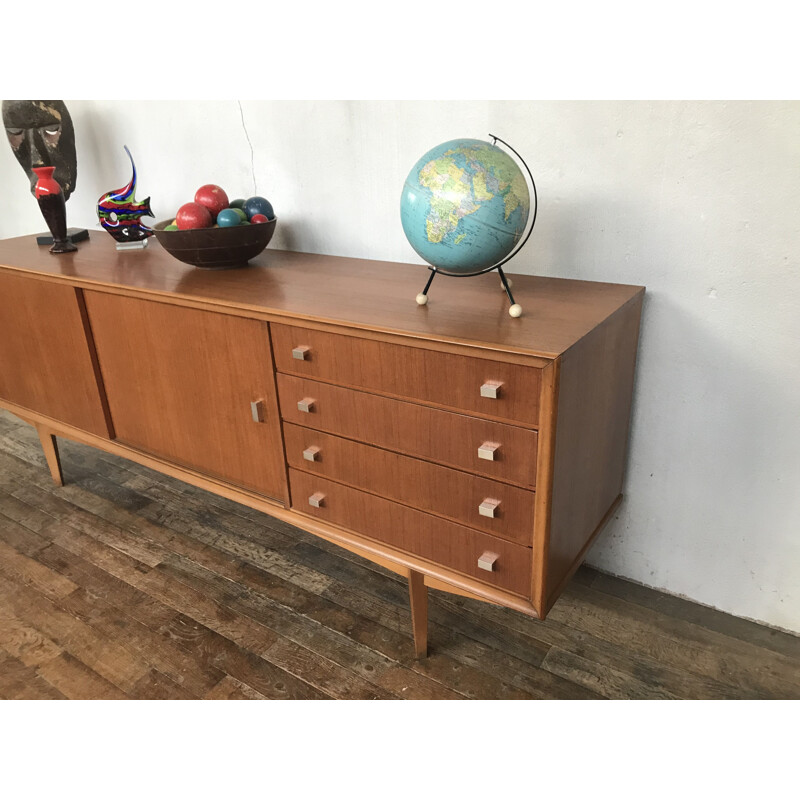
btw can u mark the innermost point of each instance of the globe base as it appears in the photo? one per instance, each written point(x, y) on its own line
point(505, 283)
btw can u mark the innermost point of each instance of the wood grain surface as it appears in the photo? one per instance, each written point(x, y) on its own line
point(442, 379)
point(128, 577)
point(439, 490)
point(190, 390)
point(389, 557)
point(418, 600)
point(415, 430)
point(45, 360)
point(374, 295)
point(180, 384)
point(593, 418)
point(431, 538)
point(50, 450)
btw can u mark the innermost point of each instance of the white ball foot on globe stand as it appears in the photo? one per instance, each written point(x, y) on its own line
point(515, 310)
point(510, 284)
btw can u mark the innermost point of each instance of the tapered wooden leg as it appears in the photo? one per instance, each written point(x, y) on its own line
point(50, 447)
point(418, 594)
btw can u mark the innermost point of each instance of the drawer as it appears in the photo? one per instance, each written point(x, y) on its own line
point(490, 506)
point(492, 449)
point(435, 539)
point(464, 383)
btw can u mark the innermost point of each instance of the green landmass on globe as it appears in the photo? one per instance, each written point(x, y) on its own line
point(465, 205)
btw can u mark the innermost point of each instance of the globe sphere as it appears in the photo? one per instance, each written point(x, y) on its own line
point(464, 206)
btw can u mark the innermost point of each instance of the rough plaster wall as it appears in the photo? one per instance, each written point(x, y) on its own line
point(698, 201)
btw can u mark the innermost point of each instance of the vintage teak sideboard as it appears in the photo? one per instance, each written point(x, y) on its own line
point(458, 446)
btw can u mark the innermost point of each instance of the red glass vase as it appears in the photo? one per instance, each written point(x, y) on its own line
point(53, 207)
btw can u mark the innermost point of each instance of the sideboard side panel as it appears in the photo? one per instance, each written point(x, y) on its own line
point(45, 353)
point(595, 392)
point(544, 490)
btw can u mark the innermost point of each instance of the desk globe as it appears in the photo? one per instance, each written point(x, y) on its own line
point(464, 209)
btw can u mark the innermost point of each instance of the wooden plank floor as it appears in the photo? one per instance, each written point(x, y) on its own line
point(128, 584)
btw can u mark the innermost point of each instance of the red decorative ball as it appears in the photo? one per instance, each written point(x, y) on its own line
point(193, 215)
point(258, 218)
point(213, 197)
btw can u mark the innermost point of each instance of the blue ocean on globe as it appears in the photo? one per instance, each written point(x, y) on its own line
point(465, 205)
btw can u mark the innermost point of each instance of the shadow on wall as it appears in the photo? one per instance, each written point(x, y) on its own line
point(708, 510)
point(600, 238)
point(708, 465)
point(285, 237)
point(569, 240)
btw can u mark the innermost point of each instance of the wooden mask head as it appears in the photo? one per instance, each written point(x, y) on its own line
point(41, 135)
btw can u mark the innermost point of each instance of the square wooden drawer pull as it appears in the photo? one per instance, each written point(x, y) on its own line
point(318, 500)
point(306, 405)
point(491, 389)
point(301, 353)
point(489, 451)
point(488, 508)
point(311, 453)
point(487, 561)
point(257, 410)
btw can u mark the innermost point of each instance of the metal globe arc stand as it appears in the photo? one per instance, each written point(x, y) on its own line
point(515, 309)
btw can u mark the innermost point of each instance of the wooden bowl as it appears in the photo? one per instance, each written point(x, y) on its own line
point(215, 248)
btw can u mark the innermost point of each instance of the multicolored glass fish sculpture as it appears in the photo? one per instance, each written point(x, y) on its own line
point(120, 214)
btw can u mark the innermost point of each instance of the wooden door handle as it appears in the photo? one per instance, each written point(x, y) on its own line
point(489, 451)
point(311, 453)
point(487, 561)
point(257, 410)
point(491, 389)
point(301, 352)
point(317, 500)
point(488, 508)
point(306, 405)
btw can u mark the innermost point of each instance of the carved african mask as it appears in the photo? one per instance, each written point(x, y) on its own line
point(41, 135)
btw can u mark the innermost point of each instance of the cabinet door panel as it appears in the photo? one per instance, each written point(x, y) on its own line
point(181, 383)
point(45, 356)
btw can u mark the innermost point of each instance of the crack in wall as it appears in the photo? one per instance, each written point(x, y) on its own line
point(252, 154)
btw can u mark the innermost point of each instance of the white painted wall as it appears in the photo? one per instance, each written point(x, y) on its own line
point(698, 201)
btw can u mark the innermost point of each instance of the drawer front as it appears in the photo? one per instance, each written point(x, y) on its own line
point(490, 506)
point(495, 389)
point(432, 538)
point(492, 449)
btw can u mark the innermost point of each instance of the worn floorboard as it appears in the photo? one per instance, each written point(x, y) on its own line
point(126, 583)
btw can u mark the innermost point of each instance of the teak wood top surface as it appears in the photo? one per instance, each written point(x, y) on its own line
point(372, 295)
